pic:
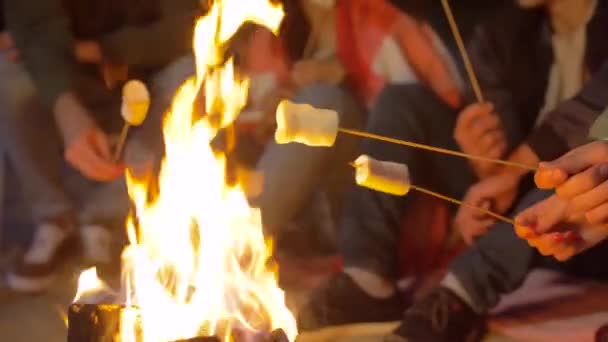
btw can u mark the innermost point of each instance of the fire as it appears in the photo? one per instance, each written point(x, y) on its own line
point(88, 282)
point(197, 263)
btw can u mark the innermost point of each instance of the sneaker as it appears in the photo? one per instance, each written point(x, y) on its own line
point(341, 301)
point(441, 316)
point(36, 270)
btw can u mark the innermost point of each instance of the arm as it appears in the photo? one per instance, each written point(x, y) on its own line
point(40, 29)
point(568, 125)
point(139, 45)
point(488, 58)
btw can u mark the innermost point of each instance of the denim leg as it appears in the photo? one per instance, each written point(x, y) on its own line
point(370, 228)
point(32, 143)
point(499, 261)
point(293, 172)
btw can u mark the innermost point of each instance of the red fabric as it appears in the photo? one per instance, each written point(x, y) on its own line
point(423, 247)
point(362, 26)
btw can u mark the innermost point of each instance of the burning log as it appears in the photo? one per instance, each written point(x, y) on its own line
point(101, 323)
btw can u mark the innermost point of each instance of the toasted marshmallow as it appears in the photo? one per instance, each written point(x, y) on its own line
point(135, 102)
point(302, 123)
point(388, 177)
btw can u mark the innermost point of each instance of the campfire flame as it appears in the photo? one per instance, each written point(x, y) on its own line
point(197, 263)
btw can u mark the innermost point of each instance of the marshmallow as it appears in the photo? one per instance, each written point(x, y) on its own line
point(391, 178)
point(302, 123)
point(135, 102)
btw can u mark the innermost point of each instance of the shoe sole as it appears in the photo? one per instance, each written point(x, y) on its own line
point(30, 285)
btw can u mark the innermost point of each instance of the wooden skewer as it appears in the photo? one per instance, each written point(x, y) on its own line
point(436, 149)
point(457, 202)
point(463, 50)
point(121, 142)
point(464, 204)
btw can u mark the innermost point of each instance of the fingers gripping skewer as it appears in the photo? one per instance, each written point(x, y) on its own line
point(393, 178)
point(135, 105)
point(463, 51)
point(305, 124)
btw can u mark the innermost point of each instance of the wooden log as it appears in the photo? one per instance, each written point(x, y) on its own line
point(101, 323)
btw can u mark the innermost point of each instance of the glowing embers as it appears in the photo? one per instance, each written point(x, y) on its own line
point(102, 323)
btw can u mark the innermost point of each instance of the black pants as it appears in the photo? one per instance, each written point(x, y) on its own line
point(500, 261)
point(370, 228)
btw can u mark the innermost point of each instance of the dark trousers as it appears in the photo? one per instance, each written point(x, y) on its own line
point(500, 261)
point(371, 224)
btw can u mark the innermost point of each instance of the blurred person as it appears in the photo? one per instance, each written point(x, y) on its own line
point(60, 99)
point(500, 261)
point(334, 55)
point(561, 39)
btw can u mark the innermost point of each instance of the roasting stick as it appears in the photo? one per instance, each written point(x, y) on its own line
point(453, 201)
point(463, 204)
point(305, 124)
point(435, 149)
point(463, 51)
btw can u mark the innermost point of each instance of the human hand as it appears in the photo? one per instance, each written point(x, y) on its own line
point(496, 193)
point(88, 51)
point(7, 45)
point(479, 132)
point(555, 230)
point(89, 152)
point(581, 178)
point(576, 217)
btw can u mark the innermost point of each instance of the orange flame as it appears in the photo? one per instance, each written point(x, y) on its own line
point(197, 263)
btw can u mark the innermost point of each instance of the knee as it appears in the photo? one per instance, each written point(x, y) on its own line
point(328, 96)
point(404, 97)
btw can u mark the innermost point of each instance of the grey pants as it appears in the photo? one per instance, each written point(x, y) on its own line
point(34, 147)
point(293, 173)
point(370, 230)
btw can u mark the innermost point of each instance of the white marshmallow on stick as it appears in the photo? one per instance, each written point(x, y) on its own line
point(305, 124)
point(134, 109)
point(135, 102)
point(388, 177)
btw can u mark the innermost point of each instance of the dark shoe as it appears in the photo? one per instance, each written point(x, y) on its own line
point(36, 270)
point(441, 316)
point(341, 301)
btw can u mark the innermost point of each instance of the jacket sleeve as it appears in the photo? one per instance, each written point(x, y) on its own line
point(158, 43)
point(568, 125)
point(40, 29)
point(485, 54)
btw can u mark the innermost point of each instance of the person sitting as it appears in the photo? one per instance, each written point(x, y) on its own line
point(334, 55)
point(502, 258)
point(60, 98)
point(521, 88)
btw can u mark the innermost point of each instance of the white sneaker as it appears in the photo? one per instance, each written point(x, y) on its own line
point(36, 270)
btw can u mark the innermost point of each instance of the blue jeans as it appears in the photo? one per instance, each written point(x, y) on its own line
point(294, 173)
point(34, 146)
point(370, 229)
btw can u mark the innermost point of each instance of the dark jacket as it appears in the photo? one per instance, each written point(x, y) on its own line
point(512, 55)
point(144, 34)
